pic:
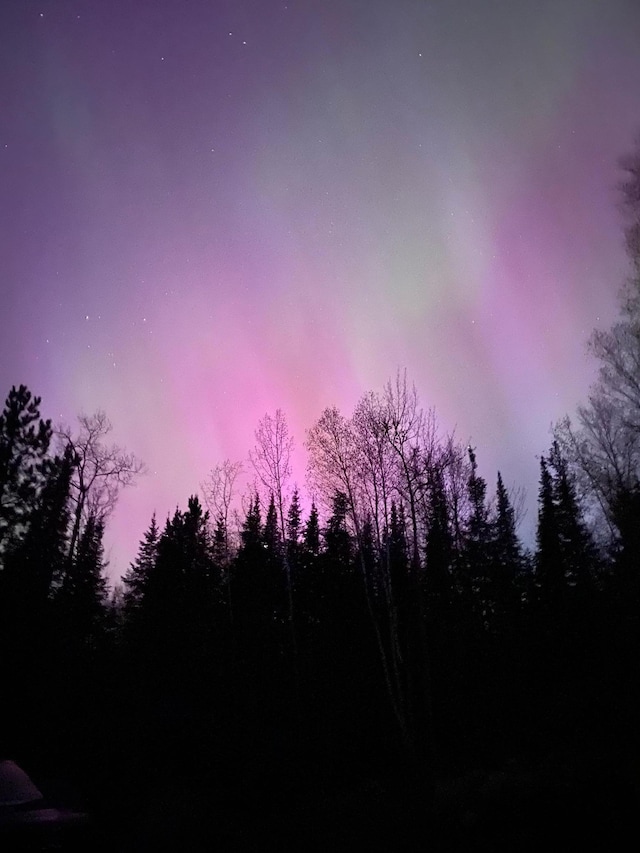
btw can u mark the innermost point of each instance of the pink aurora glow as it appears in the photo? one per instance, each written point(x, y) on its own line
point(211, 214)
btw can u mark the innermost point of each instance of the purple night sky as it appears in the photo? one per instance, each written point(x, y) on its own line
point(210, 210)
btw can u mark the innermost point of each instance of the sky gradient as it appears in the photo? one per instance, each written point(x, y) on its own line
point(209, 210)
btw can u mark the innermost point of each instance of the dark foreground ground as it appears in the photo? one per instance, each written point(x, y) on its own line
point(536, 750)
point(542, 807)
point(538, 803)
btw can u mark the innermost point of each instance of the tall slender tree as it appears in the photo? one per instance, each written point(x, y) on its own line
point(219, 491)
point(507, 562)
point(578, 550)
point(24, 446)
point(294, 519)
point(477, 544)
point(101, 471)
point(439, 546)
point(35, 564)
point(271, 533)
point(549, 562)
point(136, 578)
point(271, 460)
point(82, 598)
point(311, 539)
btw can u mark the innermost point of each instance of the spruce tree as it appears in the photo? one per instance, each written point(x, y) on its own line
point(220, 543)
point(311, 539)
point(178, 600)
point(336, 535)
point(259, 600)
point(439, 546)
point(222, 568)
point(367, 557)
point(477, 542)
point(294, 518)
point(397, 546)
point(198, 580)
point(549, 562)
point(251, 533)
point(24, 444)
point(32, 656)
point(308, 572)
point(82, 599)
point(35, 564)
point(163, 602)
point(507, 559)
point(136, 578)
point(271, 531)
point(578, 550)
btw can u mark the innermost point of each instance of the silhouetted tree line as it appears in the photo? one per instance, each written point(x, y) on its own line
point(399, 620)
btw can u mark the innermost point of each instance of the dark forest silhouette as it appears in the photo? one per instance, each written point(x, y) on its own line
point(392, 664)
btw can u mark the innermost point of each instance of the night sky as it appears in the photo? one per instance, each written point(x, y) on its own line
point(209, 210)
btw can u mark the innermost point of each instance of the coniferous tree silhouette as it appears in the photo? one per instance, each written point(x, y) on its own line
point(477, 545)
point(163, 590)
point(35, 564)
point(396, 553)
point(259, 610)
point(550, 578)
point(29, 632)
point(398, 548)
point(308, 571)
point(82, 598)
point(137, 576)
point(222, 560)
point(294, 524)
point(311, 539)
point(271, 533)
point(439, 550)
point(566, 556)
point(24, 445)
point(577, 548)
point(507, 559)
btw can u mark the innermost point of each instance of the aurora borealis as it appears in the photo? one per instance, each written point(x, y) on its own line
point(210, 210)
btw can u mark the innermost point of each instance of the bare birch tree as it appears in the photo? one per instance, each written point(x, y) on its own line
point(376, 462)
point(335, 465)
point(603, 446)
point(404, 424)
point(100, 471)
point(219, 492)
point(271, 461)
point(332, 460)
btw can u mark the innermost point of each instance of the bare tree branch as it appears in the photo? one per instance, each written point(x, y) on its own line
point(101, 471)
point(219, 490)
point(271, 460)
